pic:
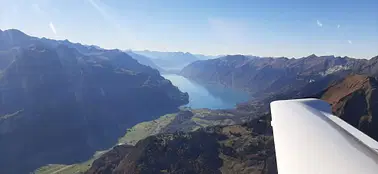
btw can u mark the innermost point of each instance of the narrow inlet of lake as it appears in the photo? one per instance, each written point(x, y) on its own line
point(207, 96)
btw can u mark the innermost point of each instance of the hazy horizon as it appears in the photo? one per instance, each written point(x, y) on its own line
point(288, 28)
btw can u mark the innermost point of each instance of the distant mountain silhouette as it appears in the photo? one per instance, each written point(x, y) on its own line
point(169, 60)
point(205, 57)
point(144, 60)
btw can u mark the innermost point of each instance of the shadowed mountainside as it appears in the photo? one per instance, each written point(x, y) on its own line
point(246, 148)
point(59, 105)
point(355, 100)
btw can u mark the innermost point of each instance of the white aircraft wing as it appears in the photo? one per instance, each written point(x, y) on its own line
point(310, 140)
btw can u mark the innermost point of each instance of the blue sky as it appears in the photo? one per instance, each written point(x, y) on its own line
point(291, 28)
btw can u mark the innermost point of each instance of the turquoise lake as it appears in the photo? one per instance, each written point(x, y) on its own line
point(207, 96)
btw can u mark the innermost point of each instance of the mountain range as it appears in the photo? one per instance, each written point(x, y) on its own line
point(61, 102)
point(249, 147)
point(170, 61)
point(275, 75)
point(243, 148)
point(167, 62)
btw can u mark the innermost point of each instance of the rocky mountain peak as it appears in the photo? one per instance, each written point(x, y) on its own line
point(312, 56)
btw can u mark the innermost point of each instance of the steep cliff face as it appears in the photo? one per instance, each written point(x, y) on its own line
point(355, 100)
point(58, 105)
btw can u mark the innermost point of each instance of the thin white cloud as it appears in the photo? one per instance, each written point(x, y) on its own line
point(338, 26)
point(319, 23)
point(52, 27)
point(349, 41)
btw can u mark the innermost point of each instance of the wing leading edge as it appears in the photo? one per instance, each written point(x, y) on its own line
point(309, 139)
